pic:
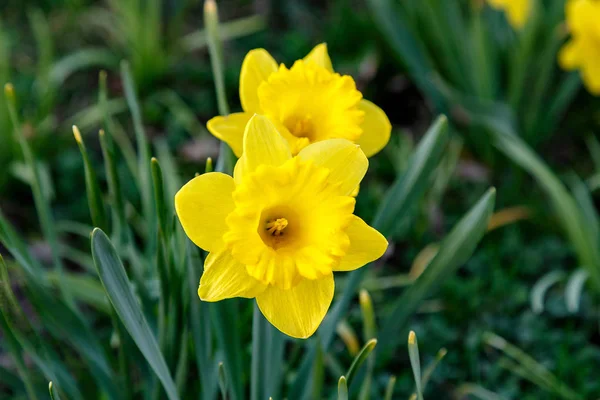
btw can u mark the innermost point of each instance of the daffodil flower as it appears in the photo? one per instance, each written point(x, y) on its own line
point(307, 103)
point(278, 229)
point(517, 11)
point(582, 51)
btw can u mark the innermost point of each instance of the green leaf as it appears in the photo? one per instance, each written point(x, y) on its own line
point(566, 208)
point(94, 196)
point(222, 380)
point(389, 390)
point(360, 359)
point(215, 49)
point(574, 288)
point(53, 392)
point(342, 389)
point(529, 368)
point(117, 286)
point(538, 291)
point(415, 362)
point(80, 60)
point(200, 326)
point(401, 197)
point(145, 174)
point(454, 251)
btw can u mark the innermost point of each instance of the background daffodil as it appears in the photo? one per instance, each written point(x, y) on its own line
point(308, 103)
point(582, 51)
point(280, 226)
point(517, 11)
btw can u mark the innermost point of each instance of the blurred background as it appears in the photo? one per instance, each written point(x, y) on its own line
point(527, 281)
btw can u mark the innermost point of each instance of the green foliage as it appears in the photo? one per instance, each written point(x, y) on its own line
point(123, 320)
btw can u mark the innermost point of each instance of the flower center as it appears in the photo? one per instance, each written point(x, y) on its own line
point(276, 227)
point(302, 127)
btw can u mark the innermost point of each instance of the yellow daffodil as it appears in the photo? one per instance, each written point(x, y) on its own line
point(582, 51)
point(278, 229)
point(307, 103)
point(516, 11)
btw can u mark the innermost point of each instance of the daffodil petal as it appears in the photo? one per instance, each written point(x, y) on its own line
point(224, 277)
point(568, 56)
point(297, 312)
point(320, 56)
point(591, 77)
point(256, 68)
point(202, 205)
point(366, 245)
point(263, 145)
point(230, 129)
point(345, 160)
point(239, 170)
point(376, 128)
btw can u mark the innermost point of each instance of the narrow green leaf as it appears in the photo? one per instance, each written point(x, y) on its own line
point(159, 196)
point(574, 288)
point(41, 204)
point(215, 49)
point(200, 324)
point(145, 174)
point(477, 391)
point(117, 286)
point(12, 345)
point(114, 188)
point(342, 389)
point(454, 251)
point(229, 339)
point(415, 362)
point(106, 112)
point(432, 366)
point(94, 196)
point(529, 368)
point(258, 355)
point(538, 291)
point(360, 359)
point(400, 199)
point(564, 204)
point(79, 60)
point(389, 390)
point(229, 30)
point(222, 380)
point(369, 332)
point(53, 392)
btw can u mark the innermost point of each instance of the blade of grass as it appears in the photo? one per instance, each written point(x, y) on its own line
point(117, 286)
point(454, 251)
point(531, 369)
point(360, 359)
point(574, 288)
point(41, 204)
point(389, 390)
point(538, 291)
point(415, 362)
point(145, 174)
point(53, 392)
point(342, 389)
point(94, 196)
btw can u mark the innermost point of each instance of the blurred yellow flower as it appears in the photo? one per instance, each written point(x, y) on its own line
point(516, 11)
point(278, 229)
point(582, 51)
point(308, 103)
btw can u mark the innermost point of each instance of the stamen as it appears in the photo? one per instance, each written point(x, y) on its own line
point(301, 127)
point(277, 226)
